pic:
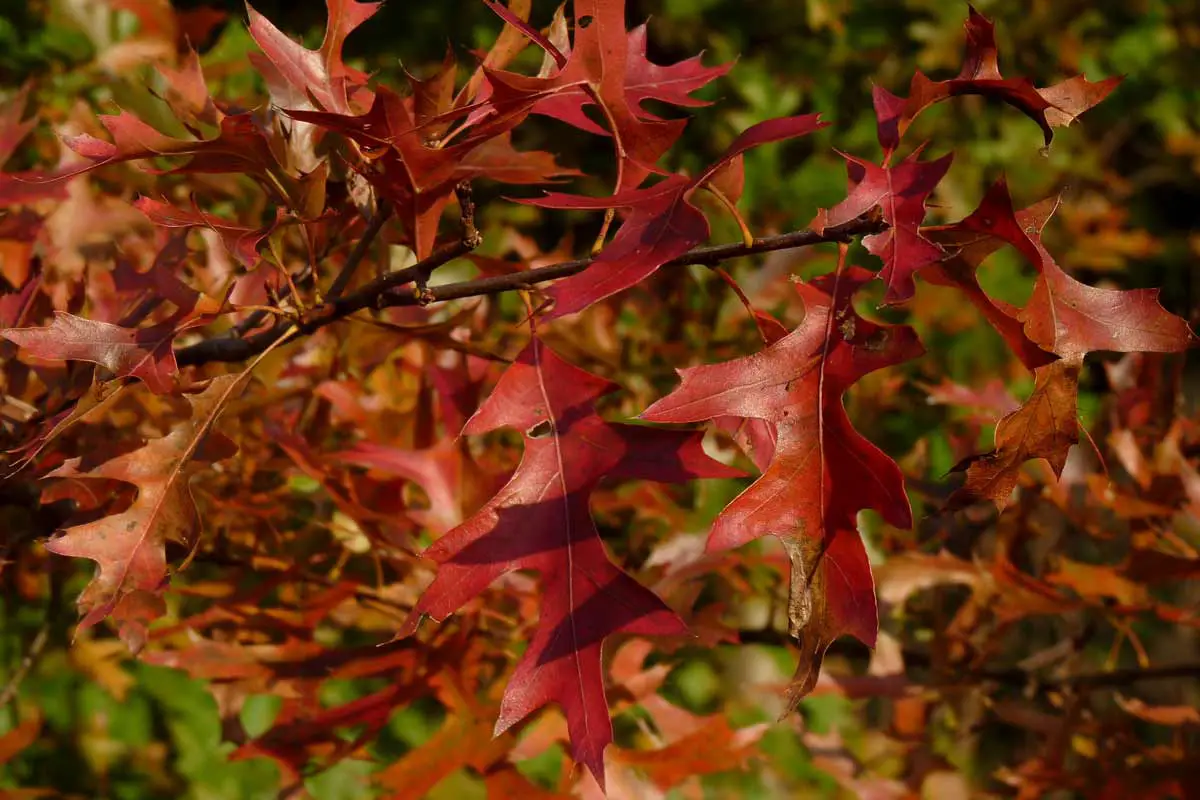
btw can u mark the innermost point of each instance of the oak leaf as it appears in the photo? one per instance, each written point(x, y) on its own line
point(900, 193)
point(21, 187)
point(129, 548)
point(142, 353)
point(446, 472)
point(1045, 426)
point(240, 146)
point(540, 521)
point(292, 743)
point(1053, 106)
point(1073, 319)
point(822, 471)
point(1064, 318)
point(606, 66)
point(970, 241)
point(240, 240)
point(320, 74)
point(662, 222)
point(418, 174)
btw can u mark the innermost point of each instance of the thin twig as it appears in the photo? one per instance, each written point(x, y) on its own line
point(710, 256)
point(382, 212)
point(471, 238)
point(30, 658)
point(378, 294)
point(37, 645)
point(1009, 676)
point(255, 319)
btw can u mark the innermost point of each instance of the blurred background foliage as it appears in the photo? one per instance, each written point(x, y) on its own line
point(1129, 172)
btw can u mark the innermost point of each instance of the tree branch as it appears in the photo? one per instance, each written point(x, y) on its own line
point(379, 293)
point(28, 660)
point(37, 645)
point(708, 256)
point(382, 212)
point(963, 675)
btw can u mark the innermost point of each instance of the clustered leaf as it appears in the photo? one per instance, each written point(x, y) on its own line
point(822, 472)
point(540, 521)
point(662, 223)
point(336, 153)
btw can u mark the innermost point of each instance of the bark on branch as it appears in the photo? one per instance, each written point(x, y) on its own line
point(381, 293)
point(937, 676)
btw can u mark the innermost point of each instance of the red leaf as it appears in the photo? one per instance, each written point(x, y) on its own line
point(17, 188)
point(540, 521)
point(14, 305)
point(160, 281)
point(1054, 106)
point(419, 177)
point(142, 353)
point(289, 743)
point(900, 193)
point(187, 92)
point(443, 471)
point(993, 398)
point(528, 30)
point(12, 129)
point(1064, 317)
point(662, 223)
point(841, 600)
point(240, 146)
point(320, 74)
point(24, 187)
point(241, 242)
point(822, 471)
point(607, 65)
point(674, 84)
point(972, 240)
point(1073, 319)
point(496, 159)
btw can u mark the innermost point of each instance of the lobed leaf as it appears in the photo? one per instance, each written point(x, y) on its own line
point(540, 521)
point(129, 548)
point(821, 472)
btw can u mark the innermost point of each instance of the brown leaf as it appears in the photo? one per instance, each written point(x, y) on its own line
point(715, 747)
point(832, 593)
point(1046, 426)
point(905, 574)
point(1173, 716)
point(1129, 453)
point(1155, 566)
point(1098, 581)
point(129, 548)
point(143, 353)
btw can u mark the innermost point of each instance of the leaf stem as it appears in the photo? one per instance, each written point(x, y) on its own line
point(747, 236)
point(619, 149)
